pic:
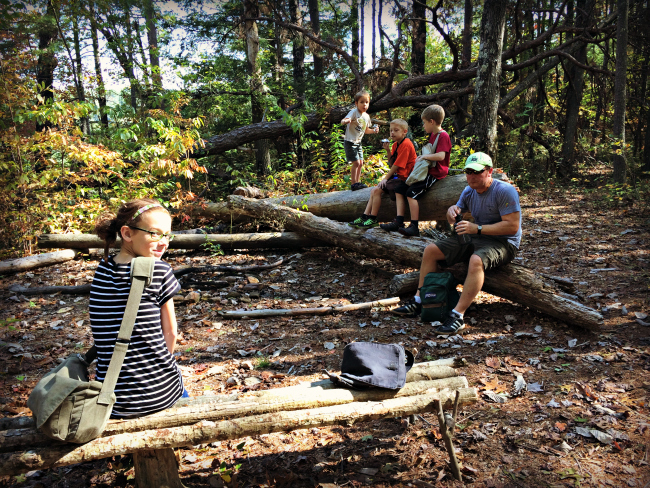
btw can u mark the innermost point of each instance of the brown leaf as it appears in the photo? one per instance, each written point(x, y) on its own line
point(492, 384)
point(493, 362)
point(560, 426)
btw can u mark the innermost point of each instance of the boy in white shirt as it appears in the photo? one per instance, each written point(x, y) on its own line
point(358, 123)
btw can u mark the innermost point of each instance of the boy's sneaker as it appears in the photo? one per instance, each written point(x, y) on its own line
point(392, 227)
point(356, 222)
point(410, 231)
point(368, 224)
point(358, 186)
point(452, 324)
point(409, 309)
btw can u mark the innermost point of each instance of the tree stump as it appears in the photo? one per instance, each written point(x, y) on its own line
point(156, 469)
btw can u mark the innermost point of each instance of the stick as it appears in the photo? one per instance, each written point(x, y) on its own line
point(449, 444)
point(274, 312)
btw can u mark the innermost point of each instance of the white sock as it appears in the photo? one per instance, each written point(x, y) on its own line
point(417, 299)
point(458, 313)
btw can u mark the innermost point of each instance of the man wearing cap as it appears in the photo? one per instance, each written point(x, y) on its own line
point(495, 237)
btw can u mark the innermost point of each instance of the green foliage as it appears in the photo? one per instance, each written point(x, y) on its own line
point(212, 247)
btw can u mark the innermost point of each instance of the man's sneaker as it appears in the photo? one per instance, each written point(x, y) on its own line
point(357, 221)
point(410, 231)
point(368, 224)
point(452, 324)
point(409, 309)
point(392, 227)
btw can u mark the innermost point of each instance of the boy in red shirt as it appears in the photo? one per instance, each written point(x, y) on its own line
point(432, 118)
point(401, 164)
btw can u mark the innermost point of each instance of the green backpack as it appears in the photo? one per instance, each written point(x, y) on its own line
point(439, 296)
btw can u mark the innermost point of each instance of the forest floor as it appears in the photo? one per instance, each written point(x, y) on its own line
point(577, 379)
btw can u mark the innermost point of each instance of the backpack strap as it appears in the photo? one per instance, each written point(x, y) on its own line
point(410, 359)
point(141, 274)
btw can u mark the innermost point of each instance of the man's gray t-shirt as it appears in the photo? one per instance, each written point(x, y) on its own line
point(487, 208)
point(354, 131)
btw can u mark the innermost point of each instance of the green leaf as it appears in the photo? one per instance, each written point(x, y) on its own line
point(580, 419)
point(366, 438)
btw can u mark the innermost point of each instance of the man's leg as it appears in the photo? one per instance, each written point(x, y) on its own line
point(432, 254)
point(473, 283)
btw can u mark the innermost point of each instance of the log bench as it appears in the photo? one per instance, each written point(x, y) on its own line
point(206, 419)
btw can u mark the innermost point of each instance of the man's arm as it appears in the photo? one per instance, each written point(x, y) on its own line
point(508, 226)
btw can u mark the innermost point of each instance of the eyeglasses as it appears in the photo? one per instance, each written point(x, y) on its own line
point(155, 236)
point(470, 171)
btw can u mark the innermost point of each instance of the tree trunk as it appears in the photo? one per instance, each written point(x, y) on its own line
point(354, 21)
point(466, 58)
point(575, 75)
point(81, 94)
point(101, 91)
point(129, 58)
point(362, 39)
point(380, 13)
point(47, 62)
point(144, 65)
point(38, 260)
point(152, 38)
point(206, 431)
point(314, 16)
point(419, 39)
point(345, 206)
point(374, 33)
point(268, 240)
point(298, 48)
point(512, 282)
point(156, 469)
point(618, 126)
point(486, 98)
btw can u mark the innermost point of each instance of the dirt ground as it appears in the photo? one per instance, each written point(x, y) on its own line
point(584, 420)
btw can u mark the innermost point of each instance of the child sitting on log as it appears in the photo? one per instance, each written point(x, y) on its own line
point(149, 379)
point(438, 160)
point(401, 164)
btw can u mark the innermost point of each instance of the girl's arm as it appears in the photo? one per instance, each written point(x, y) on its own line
point(169, 326)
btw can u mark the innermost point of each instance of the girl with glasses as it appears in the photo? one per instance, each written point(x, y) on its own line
point(149, 380)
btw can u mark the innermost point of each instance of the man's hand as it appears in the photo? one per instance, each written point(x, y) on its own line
point(451, 214)
point(466, 227)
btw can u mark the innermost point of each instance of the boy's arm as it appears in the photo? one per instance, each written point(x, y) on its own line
point(372, 130)
point(439, 156)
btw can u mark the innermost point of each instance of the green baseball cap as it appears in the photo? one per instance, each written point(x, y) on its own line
point(478, 161)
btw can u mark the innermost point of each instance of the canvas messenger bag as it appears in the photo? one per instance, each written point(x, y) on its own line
point(370, 364)
point(421, 168)
point(68, 407)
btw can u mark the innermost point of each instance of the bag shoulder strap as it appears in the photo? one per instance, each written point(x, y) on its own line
point(141, 275)
point(410, 359)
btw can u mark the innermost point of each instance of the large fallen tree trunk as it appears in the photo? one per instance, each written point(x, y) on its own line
point(38, 260)
point(14, 463)
point(267, 240)
point(513, 282)
point(347, 205)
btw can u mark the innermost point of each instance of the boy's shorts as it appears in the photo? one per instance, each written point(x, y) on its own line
point(395, 185)
point(353, 152)
point(417, 190)
point(493, 251)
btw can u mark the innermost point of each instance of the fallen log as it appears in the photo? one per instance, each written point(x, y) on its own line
point(37, 261)
point(205, 431)
point(513, 282)
point(275, 312)
point(347, 205)
point(267, 240)
point(402, 284)
point(249, 192)
point(245, 407)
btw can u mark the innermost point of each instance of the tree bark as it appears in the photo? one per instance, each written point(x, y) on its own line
point(466, 57)
point(512, 282)
point(575, 74)
point(207, 431)
point(419, 39)
point(486, 99)
point(298, 48)
point(31, 262)
point(314, 16)
point(152, 38)
point(101, 90)
point(156, 469)
point(268, 240)
point(47, 62)
point(345, 206)
point(78, 67)
point(354, 21)
point(374, 33)
point(620, 81)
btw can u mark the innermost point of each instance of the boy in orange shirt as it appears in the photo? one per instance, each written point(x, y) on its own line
point(401, 163)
